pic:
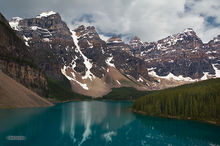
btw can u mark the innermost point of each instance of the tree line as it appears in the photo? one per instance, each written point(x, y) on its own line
point(196, 101)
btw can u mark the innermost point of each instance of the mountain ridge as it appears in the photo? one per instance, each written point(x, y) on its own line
point(88, 61)
point(80, 55)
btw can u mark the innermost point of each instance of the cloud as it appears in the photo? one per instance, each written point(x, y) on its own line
point(150, 20)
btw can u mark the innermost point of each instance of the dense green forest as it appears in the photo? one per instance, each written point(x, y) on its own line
point(124, 93)
point(196, 101)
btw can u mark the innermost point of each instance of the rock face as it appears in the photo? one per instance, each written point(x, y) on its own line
point(103, 66)
point(92, 65)
point(137, 45)
point(16, 60)
point(115, 43)
point(49, 39)
point(212, 49)
point(181, 55)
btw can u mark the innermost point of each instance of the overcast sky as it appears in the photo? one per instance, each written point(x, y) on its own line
point(151, 20)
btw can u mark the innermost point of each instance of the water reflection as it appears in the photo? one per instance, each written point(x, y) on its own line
point(99, 123)
point(68, 122)
point(86, 118)
point(88, 115)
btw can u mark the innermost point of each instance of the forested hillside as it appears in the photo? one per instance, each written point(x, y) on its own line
point(197, 101)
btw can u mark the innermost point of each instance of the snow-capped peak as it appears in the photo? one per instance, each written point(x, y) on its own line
point(14, 23)
point(114, 39)
point(188, 30)
point(16, 19)
point(217, 39)
point(46, 14)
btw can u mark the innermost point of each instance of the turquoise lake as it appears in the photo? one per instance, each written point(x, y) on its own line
point(99, 123)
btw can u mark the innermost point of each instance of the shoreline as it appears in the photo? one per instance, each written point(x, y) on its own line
point(54, 102)
point(176, 117)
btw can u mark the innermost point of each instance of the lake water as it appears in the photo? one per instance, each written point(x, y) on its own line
point(99, 123)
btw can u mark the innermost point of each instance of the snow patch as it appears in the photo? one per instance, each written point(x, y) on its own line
point(118, 82)
point(217, 71)
point(63, 70)
point(35, 27)
point(171, 76)
point(205, 76)
point(26, 40)
point(208, 52)
point(90, 44)
point(87, 63)
point(211, 57)
point(116, 41)
point(49, 34)
point(103, 52)
point(216, 40)
point(187, 30)
point(14, 23)
point(150, 69)
point(171, 61)
point(108, 61)
point(46, 14)
point(46, 39)
point(140, 80)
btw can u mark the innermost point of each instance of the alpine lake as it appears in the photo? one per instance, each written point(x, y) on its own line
point(99, 123)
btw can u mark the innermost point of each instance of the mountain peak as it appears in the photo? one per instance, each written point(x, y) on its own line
point(188, 30)
point(46, 14)
point(217, 39)
point(16, 19)
point(14, 23)
point(135, 38)
point(136, 43)
point(86, 32)
point(114, 39)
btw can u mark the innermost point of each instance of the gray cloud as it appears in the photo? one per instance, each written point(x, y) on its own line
point(151, 20)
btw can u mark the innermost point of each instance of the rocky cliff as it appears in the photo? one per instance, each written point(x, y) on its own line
point(92, 65)
point(181, 56)
point(16, 60)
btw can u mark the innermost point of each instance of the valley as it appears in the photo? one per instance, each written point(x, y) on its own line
point(65, 64)
point(109, 73)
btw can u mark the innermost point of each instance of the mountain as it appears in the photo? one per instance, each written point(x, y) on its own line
point(20, 77)
point(103, 67)
point(136, 45)
point(181, 56)
point(16, 60)
point(92, 65)
point(115, 43)
point(49, 39)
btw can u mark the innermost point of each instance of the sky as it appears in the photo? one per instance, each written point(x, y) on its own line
point(151, 20)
